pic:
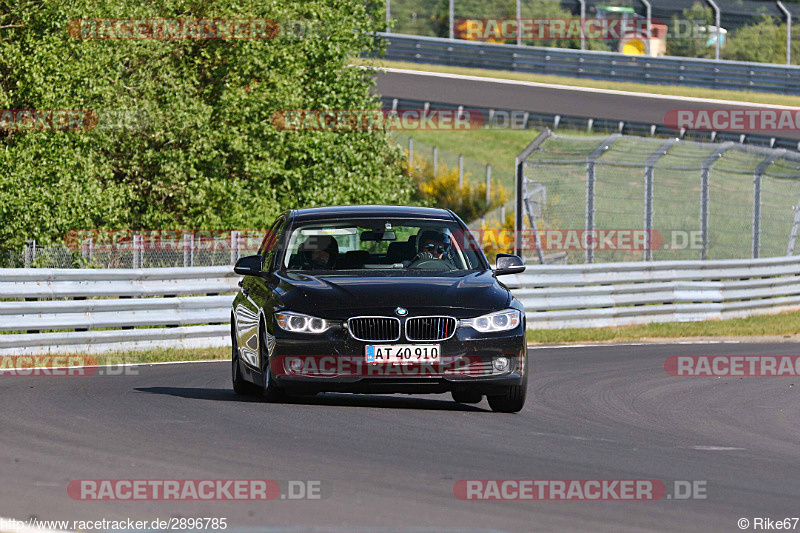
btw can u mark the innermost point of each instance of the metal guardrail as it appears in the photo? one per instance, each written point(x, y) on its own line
point(555, 296)
point(572, 123)
point(114, 309)
point(692, 72)
point(619, 294)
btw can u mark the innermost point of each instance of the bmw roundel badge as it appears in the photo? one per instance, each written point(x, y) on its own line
point(401, 311)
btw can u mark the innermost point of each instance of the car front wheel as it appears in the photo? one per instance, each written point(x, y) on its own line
point(513, 398)
point(240, 385)
point(272, 391)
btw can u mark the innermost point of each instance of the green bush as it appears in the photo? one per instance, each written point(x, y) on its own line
point(763, 42)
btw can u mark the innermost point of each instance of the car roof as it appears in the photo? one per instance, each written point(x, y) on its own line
point(370, 211)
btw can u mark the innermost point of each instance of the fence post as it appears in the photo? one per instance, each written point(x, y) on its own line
point(460, 170)
point(757, 198)
point(235, 249)
point(648, 212)
point(717, 16)
point(519, 187)
point(488, 185)
point(388, 14)
point(137, 251)
point(649, 171)
point(410, 153)
point(188, 249)
point(29, 253)
point(589, 211)
point(704, 204)
point(435, 161)
point(795, 226)
point(86, 251)
point(704, 195)
point(451, 18)
point(590, 163)
point(756, 214)
point(788, 31)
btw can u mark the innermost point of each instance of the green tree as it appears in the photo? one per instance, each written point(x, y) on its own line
point(683, 39)
point(208, 155)
point(763, 42)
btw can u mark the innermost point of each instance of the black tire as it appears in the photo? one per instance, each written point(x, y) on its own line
point(272, 391)
point(240, 385)
point(513, 400)
point(466, 396)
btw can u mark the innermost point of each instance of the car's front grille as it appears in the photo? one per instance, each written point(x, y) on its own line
point(430, 328)
point(374, 328)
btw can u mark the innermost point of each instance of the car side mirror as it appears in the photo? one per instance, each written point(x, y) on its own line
point(249, 265)
point(508, 264)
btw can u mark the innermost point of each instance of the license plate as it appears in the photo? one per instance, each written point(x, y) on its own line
point(403, 353)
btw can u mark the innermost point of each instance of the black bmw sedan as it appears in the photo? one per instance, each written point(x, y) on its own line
point(377, 299)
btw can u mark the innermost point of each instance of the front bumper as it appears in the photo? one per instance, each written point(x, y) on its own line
point(338, 364)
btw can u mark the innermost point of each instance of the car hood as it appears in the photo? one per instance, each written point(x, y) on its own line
point(337, 297)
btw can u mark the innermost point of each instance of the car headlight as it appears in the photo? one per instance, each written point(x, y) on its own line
point(299, 323)
point(498, 321)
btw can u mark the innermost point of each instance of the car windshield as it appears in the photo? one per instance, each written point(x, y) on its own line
point(385, 246)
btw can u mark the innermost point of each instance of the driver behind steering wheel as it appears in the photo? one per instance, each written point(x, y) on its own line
point(432, 245)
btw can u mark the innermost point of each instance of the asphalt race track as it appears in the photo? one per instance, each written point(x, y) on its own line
point(595, 413)
point(544, 98)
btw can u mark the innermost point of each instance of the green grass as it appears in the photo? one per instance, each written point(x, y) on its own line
point(784, 324)
point(163, 355)
point(671, 90)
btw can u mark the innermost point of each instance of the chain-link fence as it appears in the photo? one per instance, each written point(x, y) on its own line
point(628, 198)
point(138, 250)
point(471, 170)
